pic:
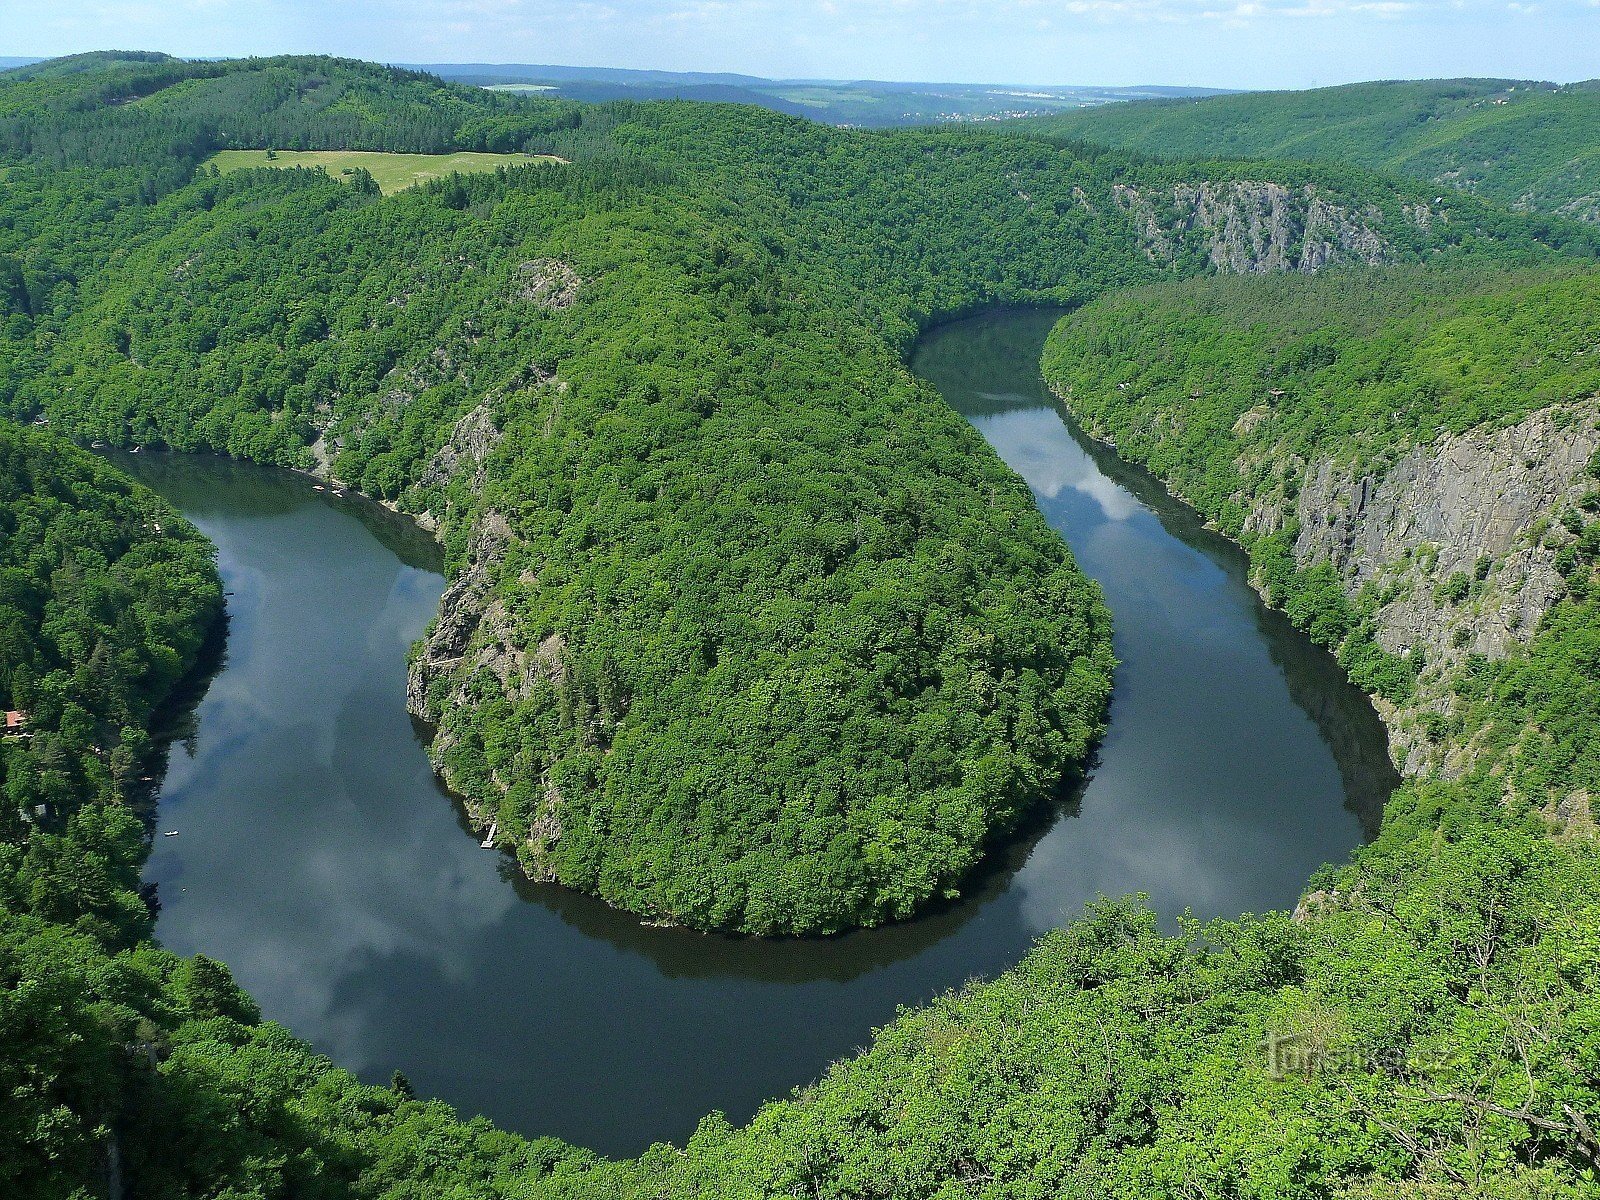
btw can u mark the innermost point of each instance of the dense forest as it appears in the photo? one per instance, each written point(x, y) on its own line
point(747, 630)
point(1523, 144)
point(774, 577)
point(106, 596)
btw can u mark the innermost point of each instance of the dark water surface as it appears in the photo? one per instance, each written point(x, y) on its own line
point(317, 857)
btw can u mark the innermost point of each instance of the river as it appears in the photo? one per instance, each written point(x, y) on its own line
point(316, 855)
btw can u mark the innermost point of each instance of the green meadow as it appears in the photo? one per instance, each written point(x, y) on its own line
point(393, 172)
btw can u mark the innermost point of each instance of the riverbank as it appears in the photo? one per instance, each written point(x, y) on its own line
point(377, 884)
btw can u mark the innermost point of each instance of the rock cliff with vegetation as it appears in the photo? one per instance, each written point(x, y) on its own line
point(1409, 455)
point(1246, 226)
point(1518, 142)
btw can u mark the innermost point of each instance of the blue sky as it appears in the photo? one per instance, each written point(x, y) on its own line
point(1220, 43)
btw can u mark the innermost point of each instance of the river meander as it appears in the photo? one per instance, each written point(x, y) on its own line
point(316, 855)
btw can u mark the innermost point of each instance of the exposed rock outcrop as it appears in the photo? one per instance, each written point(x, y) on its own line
point(474, 639)
point(544, 831)
point(1457, 541)
point(466, 450)
point(469, 618)
point(546, 283)
point(1584, 208)
point(1448, 507)
point(401, 387)
point(1246, 227)
point(1573, 817)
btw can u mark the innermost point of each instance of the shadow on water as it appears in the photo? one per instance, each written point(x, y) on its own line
point(688, 954)
point(202, 485)
point(317, 855)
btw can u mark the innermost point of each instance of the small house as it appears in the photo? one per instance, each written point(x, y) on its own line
point(16, 723)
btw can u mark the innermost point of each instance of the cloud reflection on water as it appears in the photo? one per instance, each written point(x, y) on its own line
point(1036, 445)
point(319, 859)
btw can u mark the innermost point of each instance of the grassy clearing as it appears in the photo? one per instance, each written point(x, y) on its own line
point(392, 171)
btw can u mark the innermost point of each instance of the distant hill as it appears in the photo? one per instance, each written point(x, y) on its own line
point(598, 91)
point(1534, 146)
point(521, 72)
point(80, 64)
point(834, 102)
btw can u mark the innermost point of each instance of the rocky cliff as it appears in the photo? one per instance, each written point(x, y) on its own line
point(1455, 542)
point(475, 650)
point(474, 643)
point(1247, 226)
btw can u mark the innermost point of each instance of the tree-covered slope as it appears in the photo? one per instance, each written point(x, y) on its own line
point(1531, 146)
point(746, 629)
point(106, 595)
point(689, 491)
point(1406, 453)
point(1351, 364)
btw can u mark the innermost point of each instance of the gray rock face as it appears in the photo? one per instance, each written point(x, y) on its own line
point(473, 622)
point(1458, 539)
point(1466, 497)
point(466, 451)
point(475, 639)
point(546, 283)
point(402, 385)
point(1584, 208)
point(1247, 227)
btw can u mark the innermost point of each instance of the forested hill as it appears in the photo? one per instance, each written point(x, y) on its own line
point(747, 630)
point(105, 597)
point(152, 118)
point(728, 586)
point(1528, 145)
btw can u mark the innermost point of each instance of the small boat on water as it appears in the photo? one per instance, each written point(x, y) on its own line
point(170, 833)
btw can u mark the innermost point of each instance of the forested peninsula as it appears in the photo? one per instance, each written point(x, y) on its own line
point(747, 631)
